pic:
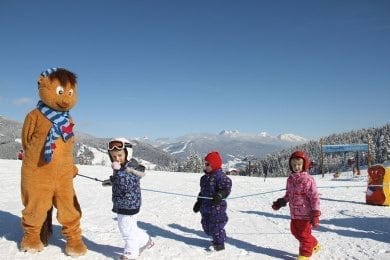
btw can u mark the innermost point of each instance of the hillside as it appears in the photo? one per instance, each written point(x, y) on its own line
point(163, 154)
point(88, 149)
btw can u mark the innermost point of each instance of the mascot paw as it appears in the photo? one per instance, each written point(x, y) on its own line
point(31, 244)
point(75, 247)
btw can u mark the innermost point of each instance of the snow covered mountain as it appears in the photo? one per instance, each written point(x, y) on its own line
point(291, 138)
point(163, 153)
point(233, 145)
point(89, 150)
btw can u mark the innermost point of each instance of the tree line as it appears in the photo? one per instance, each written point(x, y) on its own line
point(276, 164)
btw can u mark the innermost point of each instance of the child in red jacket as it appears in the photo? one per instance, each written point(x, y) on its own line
point(304, 202)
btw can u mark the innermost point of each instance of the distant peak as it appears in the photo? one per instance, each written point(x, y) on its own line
point(264, 134)
point(229, 132)
point(143, 138)
point(291, 138)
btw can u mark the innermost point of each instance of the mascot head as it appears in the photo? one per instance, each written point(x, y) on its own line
point(376, 174)
point(58, 89)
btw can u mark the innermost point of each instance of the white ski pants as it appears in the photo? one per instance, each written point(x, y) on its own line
point(134, 237)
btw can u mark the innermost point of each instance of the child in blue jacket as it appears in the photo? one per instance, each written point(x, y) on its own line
point(126, 196)
point(216, 185)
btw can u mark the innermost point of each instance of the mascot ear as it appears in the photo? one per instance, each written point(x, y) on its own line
point(40, 79)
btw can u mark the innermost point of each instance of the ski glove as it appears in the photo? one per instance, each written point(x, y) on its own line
point(133, 167)
point(281, 202)
point(107, 182)
point(196, 207)
point(315, 220)
point(134, 164)
point(219, 197)
point(135, 172)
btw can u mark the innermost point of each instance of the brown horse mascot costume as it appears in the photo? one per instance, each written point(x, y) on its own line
point(48, 166)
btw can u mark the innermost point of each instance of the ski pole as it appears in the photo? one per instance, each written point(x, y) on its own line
point(85, 176)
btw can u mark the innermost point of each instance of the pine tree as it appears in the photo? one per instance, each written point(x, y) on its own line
point(193, 163)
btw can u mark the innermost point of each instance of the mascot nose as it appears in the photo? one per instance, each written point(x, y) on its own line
point(64, 104)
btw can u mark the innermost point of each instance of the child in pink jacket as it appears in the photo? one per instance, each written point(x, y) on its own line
point(304, 202)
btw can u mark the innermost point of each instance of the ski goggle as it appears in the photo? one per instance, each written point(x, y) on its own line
point(118, 145)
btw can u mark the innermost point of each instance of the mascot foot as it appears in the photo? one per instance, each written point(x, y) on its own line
point(31, 244)
point(75, 247)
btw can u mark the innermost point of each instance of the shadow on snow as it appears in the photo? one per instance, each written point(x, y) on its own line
point(9, 230)
point(375, 228)
point(204, 241)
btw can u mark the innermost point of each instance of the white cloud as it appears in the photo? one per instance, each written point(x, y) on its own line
point(22, 101)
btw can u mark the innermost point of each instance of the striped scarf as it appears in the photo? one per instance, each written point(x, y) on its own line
point(61, 127)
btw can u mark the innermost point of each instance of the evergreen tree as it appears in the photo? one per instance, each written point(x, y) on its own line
point(193, 163)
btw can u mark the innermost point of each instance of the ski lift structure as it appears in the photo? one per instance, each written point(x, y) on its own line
point(353, 161)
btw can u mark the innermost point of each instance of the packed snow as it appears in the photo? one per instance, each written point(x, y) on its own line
point(350, 229)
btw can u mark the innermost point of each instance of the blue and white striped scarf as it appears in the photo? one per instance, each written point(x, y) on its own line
point(61, 127)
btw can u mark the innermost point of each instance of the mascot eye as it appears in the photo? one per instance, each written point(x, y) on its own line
point(59, 90)
point(70, 92)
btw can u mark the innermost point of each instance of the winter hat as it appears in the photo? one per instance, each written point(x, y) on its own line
point(47, 72)
point(214, 159)
point(301, 155)
point(121, 143)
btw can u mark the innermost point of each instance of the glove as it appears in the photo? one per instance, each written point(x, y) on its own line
point(107, 182)
point(220, 196)
point(217, 199)
point(281, 202)
point(133, 163)
point(315, 219)
point(196, 207)
point(135, 172)
point(115, 165)
point(140, 168)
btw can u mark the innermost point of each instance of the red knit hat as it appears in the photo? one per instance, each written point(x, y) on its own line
point(214, 159)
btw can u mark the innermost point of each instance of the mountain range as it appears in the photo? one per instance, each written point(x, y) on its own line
point(233, 145)
point(163, 153)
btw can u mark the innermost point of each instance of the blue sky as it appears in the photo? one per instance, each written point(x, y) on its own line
point(168, 68)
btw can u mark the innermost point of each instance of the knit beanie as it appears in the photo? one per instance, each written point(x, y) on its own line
point(214, 159)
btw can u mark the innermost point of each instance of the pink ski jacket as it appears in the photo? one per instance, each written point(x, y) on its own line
point(302, 195)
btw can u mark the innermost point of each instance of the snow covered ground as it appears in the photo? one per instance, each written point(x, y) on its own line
point(350, 229)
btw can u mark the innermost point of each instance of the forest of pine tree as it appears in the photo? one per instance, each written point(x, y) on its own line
point(276, 164)
point(378, 140)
